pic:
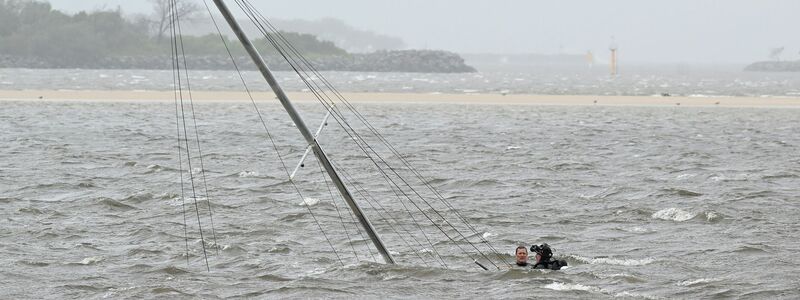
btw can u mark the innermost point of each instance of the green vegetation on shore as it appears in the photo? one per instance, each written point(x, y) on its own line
point(32, 29)
point(34, 35)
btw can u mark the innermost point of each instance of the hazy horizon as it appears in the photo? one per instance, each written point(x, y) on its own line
point(681, 31)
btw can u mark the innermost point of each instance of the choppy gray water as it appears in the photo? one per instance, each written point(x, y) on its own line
point(640, 81)
point(665, 202)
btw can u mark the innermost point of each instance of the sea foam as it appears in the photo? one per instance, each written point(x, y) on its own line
point(673, 214)
point(309, 201)
point(615, 261)
point(560, 286)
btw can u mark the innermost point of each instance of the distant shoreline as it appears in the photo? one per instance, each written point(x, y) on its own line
point(433, 98)
point(413, 61)
point(774, 66)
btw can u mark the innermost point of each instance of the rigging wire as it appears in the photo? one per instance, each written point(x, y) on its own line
point(269, 135)
point(180, 154)
point(376, 133)
point(249, 10)
point(197, 138)
point(367, 196)
point(339, 213)
point(356, 137)
point(173, 21)
point(414, 220)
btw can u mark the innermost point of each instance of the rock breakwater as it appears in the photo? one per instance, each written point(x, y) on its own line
point(424, 61)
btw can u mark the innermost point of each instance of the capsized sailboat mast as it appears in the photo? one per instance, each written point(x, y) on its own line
point(301, 125)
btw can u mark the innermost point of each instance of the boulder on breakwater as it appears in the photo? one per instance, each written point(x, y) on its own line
point(774, 66)
point(424, 61)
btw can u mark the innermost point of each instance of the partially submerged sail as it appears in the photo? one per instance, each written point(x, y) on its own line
point(381, 185)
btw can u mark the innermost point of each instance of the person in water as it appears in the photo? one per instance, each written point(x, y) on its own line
point(544, 258)
point(522, 256)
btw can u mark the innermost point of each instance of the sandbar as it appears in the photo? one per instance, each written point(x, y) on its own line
point(375, 97)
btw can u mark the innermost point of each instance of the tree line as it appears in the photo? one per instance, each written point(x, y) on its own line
point(33, 29)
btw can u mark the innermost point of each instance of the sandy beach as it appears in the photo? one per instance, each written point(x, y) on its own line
point(510, 99)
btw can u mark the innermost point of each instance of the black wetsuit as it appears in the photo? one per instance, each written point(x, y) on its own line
point(552, 264)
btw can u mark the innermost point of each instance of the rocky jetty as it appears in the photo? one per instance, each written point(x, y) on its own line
point(426, 61)
point(774, 66)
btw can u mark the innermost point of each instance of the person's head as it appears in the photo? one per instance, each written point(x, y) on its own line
point(543, 252)
point(522, 255)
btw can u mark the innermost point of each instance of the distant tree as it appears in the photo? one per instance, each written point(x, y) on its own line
point(775, 53)
point(9, 17)
point(62, 39)
point(307, 44)
point(163, 13)
point(32, 29)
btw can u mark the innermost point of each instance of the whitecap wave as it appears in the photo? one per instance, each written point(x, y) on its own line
point(614, 275)
point(560, 286)
point(635, 229)
point(634, 295)
point(712, 216)
point(673, 214)
point(244, 174)
point(696, 281)
point(91, 260)
point(615, 261)
point(309, 202)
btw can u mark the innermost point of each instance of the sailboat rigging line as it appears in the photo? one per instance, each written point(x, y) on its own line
point(197, 140)
point(175, 20)
point(270, 35)
point(367, 196)
point(360, 233)
point(264, 124)
point(381, 211)
point(339, 213)
point(407, 196)
point(301, 126)
point(384, 141)
point(233, 60)
point(180, 154)
point(439, 226)
point(359, 188)
point(358, 115)
point(266, 129)
point(426, 215)
point(279, 48)
point(367, 152)
point(397, 154)
point(433, 248)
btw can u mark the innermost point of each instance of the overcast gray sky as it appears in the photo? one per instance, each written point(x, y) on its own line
point(668, 31)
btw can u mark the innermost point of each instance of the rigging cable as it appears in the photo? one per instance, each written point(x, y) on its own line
point(251, 15)
point(339, 213)
point(197, 138)
point(366, 196)
point(180, 154)
point(173, 21)
point(269, 135)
